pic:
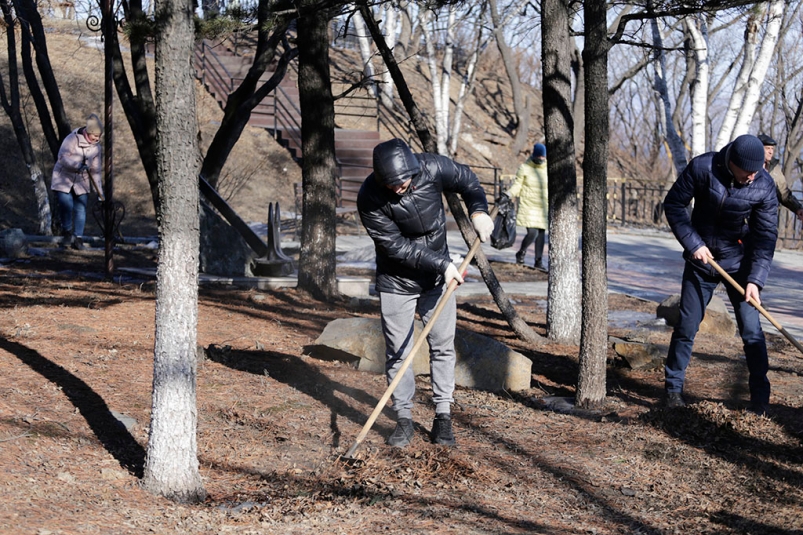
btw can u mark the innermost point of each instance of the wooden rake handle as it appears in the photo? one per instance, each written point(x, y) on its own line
point(418, 343)
point(758, 306)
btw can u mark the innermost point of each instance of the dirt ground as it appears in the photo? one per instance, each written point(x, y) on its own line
point(76, 353)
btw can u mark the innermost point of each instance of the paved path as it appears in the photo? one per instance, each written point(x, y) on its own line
point(642, 263)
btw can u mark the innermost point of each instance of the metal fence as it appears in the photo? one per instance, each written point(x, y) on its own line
point(641, 204)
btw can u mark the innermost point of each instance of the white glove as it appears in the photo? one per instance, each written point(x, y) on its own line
point(483, 224)
point(452, 273)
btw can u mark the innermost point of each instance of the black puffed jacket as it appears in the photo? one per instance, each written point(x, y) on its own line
point(738, 224)
point(409, 230)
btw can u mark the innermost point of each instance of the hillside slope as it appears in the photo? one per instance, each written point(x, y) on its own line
point(259, 170)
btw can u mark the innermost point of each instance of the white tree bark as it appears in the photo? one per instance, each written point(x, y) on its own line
point(740, 87)
point(171, 466)
point(748, 109)
point(697, 31)
point(446, 82)
point(441, 132)
point(675, 146)
point(44, 217)
point(364, 43)
point(389, 29)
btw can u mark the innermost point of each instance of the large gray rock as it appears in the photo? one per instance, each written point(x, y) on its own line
point(12, 243)
point(482, 362)
point(717, 319)
point(640, 355)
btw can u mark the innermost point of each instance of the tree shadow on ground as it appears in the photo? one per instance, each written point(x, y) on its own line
point(111, 433)
point(296, 373)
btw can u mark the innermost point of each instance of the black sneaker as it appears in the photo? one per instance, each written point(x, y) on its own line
point(67, 240)
point(758, 408)
point(442, 430)
point(403, 433)
point(78, 244)
point(520, 257)
point(539, 265)
point(674, 400)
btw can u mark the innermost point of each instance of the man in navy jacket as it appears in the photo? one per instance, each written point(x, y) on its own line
point(401, 206)
point(735, 222)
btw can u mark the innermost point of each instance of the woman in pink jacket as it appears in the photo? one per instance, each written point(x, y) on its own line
point(79, 162)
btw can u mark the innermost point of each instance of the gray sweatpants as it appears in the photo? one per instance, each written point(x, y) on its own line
point(398, 316)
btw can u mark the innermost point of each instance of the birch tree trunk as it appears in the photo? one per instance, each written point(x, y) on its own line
point(740, 87)
point(564, 300)
point(748, 109)
point(676, 149)
point(390, 38)
point(171, 465)
point(441, 116)
point(699, 83)
point(364, 43)
point(11, 105)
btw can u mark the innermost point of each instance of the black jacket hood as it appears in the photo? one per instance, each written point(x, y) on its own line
point(394, 162)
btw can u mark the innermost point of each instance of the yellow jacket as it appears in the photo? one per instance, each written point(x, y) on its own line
point(530, 187)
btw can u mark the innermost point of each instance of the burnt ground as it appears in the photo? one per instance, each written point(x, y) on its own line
point(273, 422)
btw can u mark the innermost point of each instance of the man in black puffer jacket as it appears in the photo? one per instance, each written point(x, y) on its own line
point(401, 206)
point(735, 222)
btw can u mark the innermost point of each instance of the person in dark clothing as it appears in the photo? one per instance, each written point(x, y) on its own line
point(734, 221)
point(401, 206)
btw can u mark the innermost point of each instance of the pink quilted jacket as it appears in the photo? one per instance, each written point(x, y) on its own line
point(69, 173)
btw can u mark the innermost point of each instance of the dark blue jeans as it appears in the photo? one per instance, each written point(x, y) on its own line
point(72, 211)
point(696, 291)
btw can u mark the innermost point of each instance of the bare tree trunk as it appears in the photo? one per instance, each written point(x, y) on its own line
point(748, 109)
point(740, 87)
point(675, 144)
point(12, 108)
point(248, 95)
point(364, 43)
point(139, 107)
point(32, 25)
point(594, 341)
point(518, 325)
point(579, 108)
point(699, 83)
point(171, 466)
point(519, 104)
point(316, 271)
point(564, 300)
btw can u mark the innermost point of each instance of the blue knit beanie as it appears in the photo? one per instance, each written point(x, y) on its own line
point(747, 153)
point(539, 151)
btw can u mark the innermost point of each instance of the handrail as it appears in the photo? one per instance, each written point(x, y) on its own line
point(219, 62)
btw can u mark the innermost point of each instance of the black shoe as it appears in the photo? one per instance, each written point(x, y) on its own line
point(78, 244)
point(520, 257)
point(67, 239)
point(674, 400)
point(758, 408)
point(403, 433)
point(442, 430)
point(539, 265)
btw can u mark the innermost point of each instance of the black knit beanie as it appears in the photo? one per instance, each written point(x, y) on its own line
point(747, 153)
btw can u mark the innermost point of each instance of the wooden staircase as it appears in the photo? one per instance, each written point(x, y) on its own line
point(221, 71)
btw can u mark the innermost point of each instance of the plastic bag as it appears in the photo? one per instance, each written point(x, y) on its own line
point(504, 233)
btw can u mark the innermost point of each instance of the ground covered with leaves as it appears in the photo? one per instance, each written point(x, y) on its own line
point(76, 359)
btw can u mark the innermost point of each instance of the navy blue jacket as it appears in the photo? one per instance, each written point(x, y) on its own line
point(738, 224)
point(409, 230)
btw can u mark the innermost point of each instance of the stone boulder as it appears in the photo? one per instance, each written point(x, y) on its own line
point(640, 355)
point(482, 362)
point(13, 243)
point(717, 318)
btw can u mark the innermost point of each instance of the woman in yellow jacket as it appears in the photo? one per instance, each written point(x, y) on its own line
point(530, 187)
